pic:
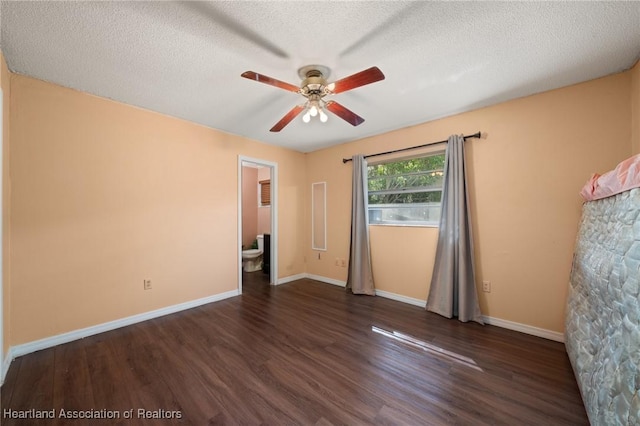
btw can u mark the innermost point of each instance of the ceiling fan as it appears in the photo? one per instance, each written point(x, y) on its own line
point(314, 88)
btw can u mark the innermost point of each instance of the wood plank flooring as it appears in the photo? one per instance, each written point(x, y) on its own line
point(300, 353)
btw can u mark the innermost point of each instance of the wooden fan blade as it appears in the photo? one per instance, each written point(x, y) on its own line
point(270, 81)
point(344, 113)
point(287, 118)
point(362, 78)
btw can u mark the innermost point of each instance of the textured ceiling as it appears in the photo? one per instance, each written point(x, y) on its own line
point(184, 59)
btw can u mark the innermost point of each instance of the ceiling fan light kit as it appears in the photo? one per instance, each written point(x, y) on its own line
point(314, 88)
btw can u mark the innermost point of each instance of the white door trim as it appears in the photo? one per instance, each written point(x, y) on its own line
point(273, 275)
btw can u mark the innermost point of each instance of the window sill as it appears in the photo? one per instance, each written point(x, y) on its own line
point(406, 225)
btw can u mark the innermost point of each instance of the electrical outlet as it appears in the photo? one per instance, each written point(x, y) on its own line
point(343, 263)
point(147, 284)
point(337, 262)
point(486, 286)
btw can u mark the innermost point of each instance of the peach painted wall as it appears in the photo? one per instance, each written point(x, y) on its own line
point(635, 108)
point(5, 83)
point(264, 213)
point(249, 205)
point(524, 182)
point(105, 195)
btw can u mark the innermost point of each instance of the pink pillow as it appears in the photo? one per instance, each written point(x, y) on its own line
point(625, 176)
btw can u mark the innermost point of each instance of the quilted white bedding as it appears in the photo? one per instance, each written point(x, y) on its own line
point(602, 329)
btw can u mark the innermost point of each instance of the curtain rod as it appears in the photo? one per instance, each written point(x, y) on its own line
point(475, 135)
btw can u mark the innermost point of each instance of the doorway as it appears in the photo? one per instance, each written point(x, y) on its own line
point(266, 187)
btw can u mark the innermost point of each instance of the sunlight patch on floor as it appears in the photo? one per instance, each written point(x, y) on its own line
point(436, 350)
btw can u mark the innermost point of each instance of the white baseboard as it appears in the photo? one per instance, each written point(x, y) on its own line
point(311, 277)
point(290, 278)
point(524, 328)
point(48, 342)
point(327, 280)
point(509, 325)
point(401, 298)
point(6, 363)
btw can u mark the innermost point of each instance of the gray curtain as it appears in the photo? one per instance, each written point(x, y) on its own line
point(360, 278)
point(453, 286)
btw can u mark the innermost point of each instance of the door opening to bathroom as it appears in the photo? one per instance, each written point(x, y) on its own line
point(257, 221)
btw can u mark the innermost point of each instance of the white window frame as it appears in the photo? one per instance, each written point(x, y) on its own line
point(411, 223)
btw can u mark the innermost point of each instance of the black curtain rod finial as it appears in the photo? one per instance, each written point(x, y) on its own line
point(477, 135)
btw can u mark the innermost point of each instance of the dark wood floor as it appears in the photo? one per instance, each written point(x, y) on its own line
point(300, 353)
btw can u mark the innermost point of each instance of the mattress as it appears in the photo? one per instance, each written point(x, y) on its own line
point(602, 327)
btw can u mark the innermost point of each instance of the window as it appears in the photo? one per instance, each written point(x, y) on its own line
point(265, 193)
point(406, 192)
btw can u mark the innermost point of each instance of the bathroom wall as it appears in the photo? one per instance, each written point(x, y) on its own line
point(264, 212)
point(249, 205)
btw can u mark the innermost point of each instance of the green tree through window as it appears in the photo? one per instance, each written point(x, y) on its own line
point(406, 191)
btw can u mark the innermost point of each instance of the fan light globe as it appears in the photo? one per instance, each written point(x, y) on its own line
point(313, 111)
point(306, 117)
point(323, 116)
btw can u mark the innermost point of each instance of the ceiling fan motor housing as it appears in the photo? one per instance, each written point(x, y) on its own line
point(313, 84)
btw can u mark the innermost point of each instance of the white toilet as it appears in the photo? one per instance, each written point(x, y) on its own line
point(252, 259)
